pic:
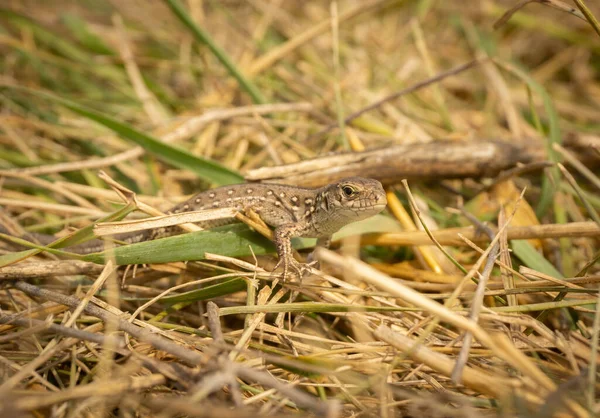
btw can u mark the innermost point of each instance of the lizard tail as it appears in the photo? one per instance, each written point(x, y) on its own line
point(87, 247)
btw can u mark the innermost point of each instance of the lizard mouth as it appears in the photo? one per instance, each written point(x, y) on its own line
point(380, 206)
point(367, 211)
point(381, 201)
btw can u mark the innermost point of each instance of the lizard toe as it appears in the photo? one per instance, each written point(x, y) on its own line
point(287, 264)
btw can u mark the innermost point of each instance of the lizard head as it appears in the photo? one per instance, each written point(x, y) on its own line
point(350, 200)
point(359, 195)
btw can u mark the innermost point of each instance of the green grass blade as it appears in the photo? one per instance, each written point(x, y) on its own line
point(201, 36)
point(231, 240)
point(549, 184)
point(12, 258)
point(206, 169)
point(543, 306)
point(79, 29)
point(309, 307)
point(207, 293)
point(62, 45)
point(588, 15)
point(533, 259)
point(55, 42)
point(235, 240)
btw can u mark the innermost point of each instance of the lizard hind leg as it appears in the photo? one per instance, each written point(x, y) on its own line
point(323, 242)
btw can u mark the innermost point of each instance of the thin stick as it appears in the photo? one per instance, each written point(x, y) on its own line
point(48, 327)
point(439, 77)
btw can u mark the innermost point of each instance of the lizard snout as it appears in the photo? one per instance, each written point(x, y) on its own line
point(381, 200)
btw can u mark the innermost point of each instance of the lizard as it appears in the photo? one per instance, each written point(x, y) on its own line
point(292, 212)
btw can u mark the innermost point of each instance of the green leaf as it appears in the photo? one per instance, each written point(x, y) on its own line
point(209, 292)
point(235, 240)
point(533, 259)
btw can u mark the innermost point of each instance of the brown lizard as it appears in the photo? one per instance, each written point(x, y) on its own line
point(292, 211)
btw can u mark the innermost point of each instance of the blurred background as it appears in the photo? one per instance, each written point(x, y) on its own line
point(84, 82)
point(85, 51)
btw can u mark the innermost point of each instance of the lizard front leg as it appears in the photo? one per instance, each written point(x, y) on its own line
point(282, 237)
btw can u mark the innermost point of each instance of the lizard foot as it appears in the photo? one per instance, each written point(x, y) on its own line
point(290, 263)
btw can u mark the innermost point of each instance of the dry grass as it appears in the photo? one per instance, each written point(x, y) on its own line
point(499, 318)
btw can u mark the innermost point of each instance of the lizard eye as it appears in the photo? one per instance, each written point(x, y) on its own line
point(348, 191)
